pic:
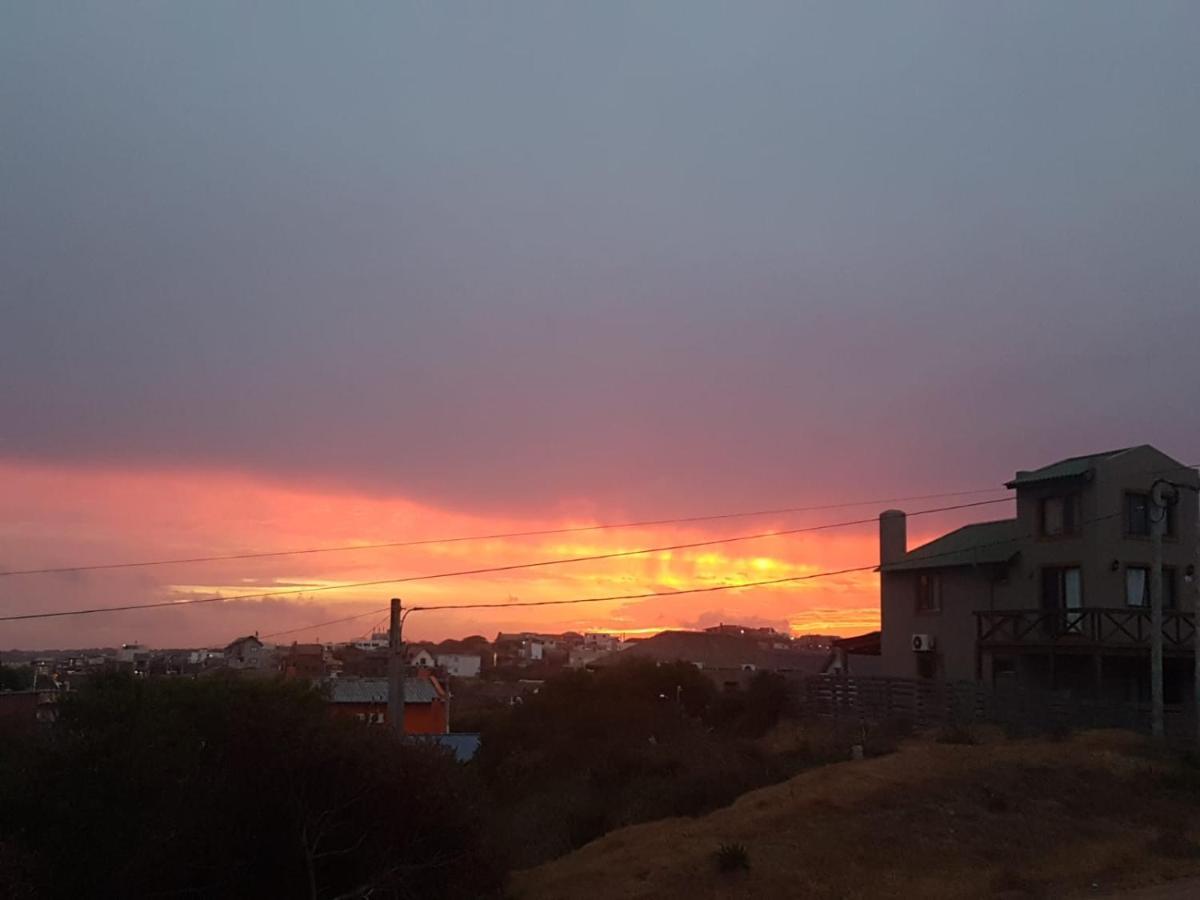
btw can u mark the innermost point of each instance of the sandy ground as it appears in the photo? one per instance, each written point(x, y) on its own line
point(1086, 817)
point(1183, 889)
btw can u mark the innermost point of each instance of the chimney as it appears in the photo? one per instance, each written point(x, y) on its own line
point(893, 535)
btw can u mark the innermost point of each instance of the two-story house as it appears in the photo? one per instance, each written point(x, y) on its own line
point(1057, 597)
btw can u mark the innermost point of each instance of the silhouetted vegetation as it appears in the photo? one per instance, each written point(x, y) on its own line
point(597, 750)
point(16, 678)
point(242, 788)
point(732, 858)
point(227, 788)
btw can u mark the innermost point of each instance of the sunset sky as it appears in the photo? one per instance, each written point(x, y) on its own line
point(276, 276)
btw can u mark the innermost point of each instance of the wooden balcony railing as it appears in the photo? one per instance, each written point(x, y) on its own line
point(1118, 628)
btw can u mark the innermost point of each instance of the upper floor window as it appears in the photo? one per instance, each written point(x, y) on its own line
point(929, 592)
point(1060, 515)
point(1139, 513)
point(1062, 588)
point(1137, 586)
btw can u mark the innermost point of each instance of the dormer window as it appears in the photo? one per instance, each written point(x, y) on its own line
point(1060, 515)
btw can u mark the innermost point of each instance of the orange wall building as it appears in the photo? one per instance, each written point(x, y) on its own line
point(426, 702)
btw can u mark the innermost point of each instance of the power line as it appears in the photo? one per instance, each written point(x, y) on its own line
point(673, 593)
point(733, 587)
point(372, 612)
point(786, 510)
point(492, 569)
point(699, 590)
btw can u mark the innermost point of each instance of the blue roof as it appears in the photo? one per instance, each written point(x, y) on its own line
point(464, 746)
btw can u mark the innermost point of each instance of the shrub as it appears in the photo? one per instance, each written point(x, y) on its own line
point(732, 858)
point(957, 734)
point(236, 788)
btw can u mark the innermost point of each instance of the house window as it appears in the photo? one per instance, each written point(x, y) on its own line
point(1060, 515)
point(1137, 586)
point(1062, 589)
point(1140, 513)
point(929, 592)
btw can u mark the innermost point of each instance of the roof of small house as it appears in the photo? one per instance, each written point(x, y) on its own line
point(237, 642)
point(375, 690)
point(869, 644)
point(983, 543)
point(463, 745)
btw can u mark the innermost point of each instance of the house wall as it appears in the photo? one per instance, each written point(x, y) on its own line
point(1102, 541)
point(459, 665)
point(964, 590)
point(419, 718)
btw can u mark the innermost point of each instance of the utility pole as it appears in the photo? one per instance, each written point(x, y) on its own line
point(395, 705)
point(1158, 525)
point(1196, 626)
point(1163, 495)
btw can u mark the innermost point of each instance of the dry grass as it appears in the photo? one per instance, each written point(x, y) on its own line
point(936, 820)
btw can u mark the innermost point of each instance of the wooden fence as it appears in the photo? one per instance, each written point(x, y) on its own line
point(926, 704)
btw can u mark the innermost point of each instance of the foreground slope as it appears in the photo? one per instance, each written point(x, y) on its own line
point(1045, 818)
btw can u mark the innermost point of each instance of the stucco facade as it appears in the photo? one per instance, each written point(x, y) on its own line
point(1068, 558)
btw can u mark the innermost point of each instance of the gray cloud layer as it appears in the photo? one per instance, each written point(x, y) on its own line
point(644, 255)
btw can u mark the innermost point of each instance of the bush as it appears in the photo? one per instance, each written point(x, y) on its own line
point(594, 751)
point(235, 788)
point(957, 734)
point(732, 858)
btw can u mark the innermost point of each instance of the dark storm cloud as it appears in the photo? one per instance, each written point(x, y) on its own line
point(637, 255)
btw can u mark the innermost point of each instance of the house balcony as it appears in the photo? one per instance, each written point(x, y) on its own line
point(1090, 629)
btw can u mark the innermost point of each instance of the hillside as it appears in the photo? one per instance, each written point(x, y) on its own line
point(1014, 819)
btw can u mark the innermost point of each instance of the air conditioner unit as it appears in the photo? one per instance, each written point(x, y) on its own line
point(922, 642)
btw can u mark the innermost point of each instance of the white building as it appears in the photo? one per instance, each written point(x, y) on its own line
point(377, 641)
point(129, 652)
point(422, 658)
point(460, 665)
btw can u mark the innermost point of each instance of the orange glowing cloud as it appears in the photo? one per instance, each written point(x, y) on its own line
point(84, 516)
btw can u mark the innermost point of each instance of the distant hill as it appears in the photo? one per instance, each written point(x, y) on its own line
point(718, 651)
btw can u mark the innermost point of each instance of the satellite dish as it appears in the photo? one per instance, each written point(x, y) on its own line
point(1164, 494)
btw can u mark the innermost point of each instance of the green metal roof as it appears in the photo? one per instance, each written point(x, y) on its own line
point(983, 543)
point(1075, 467)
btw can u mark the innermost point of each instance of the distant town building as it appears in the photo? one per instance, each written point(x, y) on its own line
point(420, 656)
point(304, 661)
point(855, 656)
point(378, 641)
point(247, 653)
point(459, 665)
point(730, 660)
point(426, 702)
